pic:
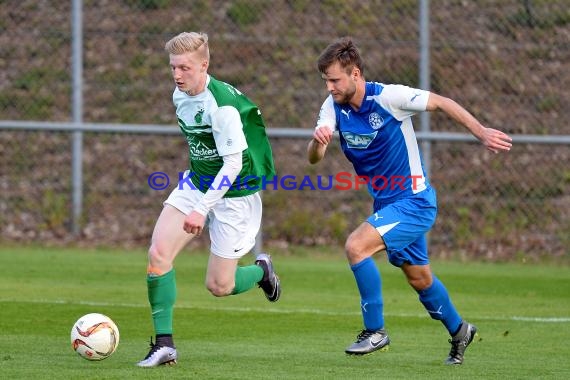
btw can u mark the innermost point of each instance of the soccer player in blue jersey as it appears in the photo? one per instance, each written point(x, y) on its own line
point(376, 134)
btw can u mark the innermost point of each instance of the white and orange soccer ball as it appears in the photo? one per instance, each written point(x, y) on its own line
point(94, 336)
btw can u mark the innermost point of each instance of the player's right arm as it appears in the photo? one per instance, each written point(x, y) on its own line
point(322, 136)
point(318, 145)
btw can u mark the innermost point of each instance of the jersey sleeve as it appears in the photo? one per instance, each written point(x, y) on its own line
point(227, 129)
point(327, 116)
point(403, 101)
point(227, 174)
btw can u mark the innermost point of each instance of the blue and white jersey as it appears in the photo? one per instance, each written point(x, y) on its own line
point(379, 138)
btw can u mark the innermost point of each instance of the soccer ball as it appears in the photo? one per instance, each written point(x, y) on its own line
point(94, 336)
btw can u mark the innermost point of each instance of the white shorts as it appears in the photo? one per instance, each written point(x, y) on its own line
point(233, 223)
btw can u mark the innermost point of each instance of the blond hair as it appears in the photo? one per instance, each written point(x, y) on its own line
point(187, 42)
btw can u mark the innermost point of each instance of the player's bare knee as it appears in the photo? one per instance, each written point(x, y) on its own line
point(420, 283)
point(155, 256)
point(218, 289)
point(350, 249)
point(354, 250)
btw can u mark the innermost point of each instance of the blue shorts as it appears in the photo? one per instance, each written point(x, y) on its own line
point(403, 225)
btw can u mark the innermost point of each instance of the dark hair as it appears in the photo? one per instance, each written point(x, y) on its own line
point(343, 51)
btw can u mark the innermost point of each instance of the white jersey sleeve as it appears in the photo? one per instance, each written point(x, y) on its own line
point(227, 174)
point(403, 101)
point(327, 116)
point(227, 129)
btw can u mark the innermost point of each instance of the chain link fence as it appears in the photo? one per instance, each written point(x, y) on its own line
point(507, 61)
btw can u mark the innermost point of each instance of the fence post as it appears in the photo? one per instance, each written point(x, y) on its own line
point(77, 114)
point(425, 82)
point(425, 77)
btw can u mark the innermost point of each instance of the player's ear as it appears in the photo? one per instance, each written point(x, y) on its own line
point(355, 73)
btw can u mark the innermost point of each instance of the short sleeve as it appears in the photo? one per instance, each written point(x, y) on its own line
point(403, 101)
point(327, 114)
point(227, 129)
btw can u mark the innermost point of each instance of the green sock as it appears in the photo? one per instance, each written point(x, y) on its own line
point(247, 278)
point(162, 295)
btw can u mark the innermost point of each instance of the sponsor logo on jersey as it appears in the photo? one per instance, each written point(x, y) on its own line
point(202, 152)
point(356, 141)
point(375, 120)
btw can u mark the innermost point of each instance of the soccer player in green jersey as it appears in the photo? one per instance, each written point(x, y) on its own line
point(230, 157)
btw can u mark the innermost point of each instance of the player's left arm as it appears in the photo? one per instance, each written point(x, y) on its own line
point(227, 129)
point(495, 140)
point(195, 221)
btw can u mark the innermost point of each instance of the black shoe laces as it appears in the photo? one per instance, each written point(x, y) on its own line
point(266, 283)
point(454, 348)
point(364, 334)
point(263, 265)
point(153, 348)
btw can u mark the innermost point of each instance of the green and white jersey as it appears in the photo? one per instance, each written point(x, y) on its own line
point(214, 129)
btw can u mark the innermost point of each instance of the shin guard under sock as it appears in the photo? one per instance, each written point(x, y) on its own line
point(438, 304)
point(369, 285)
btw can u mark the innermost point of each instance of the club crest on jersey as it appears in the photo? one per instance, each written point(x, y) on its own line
point(198, 116)
point(375, 120)
point(356, 141)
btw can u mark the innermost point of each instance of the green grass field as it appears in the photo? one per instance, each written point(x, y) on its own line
point(522, 312)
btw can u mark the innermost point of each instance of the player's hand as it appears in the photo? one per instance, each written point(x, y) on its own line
point(323, 135)
point(194, 223)
point(496, 141)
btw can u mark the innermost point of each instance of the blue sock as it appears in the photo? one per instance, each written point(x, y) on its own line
point(370, 287)
point(438, 304)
